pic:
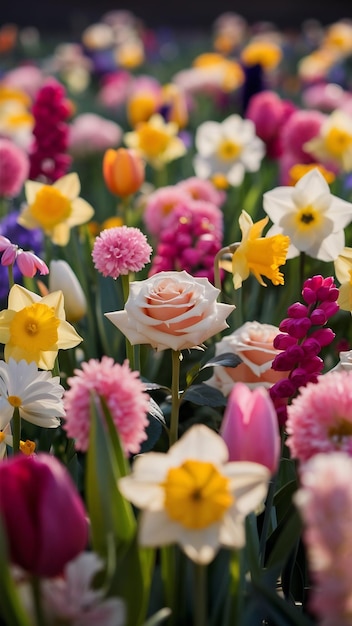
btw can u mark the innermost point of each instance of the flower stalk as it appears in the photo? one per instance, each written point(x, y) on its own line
point(175, 397)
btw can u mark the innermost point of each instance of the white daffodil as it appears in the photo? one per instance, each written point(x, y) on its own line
point(193, 497)
point(36, 394)
point(310, 215)
point(333, 144)
point(55, 208)
point(228, 149)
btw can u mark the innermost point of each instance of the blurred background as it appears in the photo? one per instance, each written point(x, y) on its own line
point(74, 15)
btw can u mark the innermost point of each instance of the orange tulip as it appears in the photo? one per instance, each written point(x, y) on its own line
point(123, 171)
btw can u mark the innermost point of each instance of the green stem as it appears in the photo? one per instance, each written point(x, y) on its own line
point(302, 260)
point(200, 595)
point(10, 274)
point(175, 399)
point(160, 177)
point(168, 574)
point(267, 518)
point(39, 613)
point(126, 290)
point(16, 430)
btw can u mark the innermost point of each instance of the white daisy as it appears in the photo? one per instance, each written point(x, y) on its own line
point(192, 497)
point(36, 394)
point(227, 149)
point(310, 215)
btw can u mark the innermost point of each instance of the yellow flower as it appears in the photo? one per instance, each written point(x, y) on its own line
point(260, 255)
point(262, 52)
point(300, 169)
point(156, 141)
point(343, 271)
point(35, 328)
point(193, 497)
point(232, 73)
point(55, 208)
point(334, 142)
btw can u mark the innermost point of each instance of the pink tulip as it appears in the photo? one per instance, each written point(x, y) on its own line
point(29, 263)
point(250, 428)
point(42, 513)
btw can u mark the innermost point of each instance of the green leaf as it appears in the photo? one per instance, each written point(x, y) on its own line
point(158, 617)
point(114, 527)
point(283, 538)
point(227, 359)
point(204, 395)
point(11, 608)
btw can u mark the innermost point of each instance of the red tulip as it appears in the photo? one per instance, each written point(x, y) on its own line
point(250, 427)
point(43, 515)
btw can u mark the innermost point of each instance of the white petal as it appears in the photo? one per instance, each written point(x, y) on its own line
point(207, 138)
point(156, 529)
point(201, 443)
point(330, 247)
point(278, 202)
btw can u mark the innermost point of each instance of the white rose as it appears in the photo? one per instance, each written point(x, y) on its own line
point(253, 343)
point(171, 310)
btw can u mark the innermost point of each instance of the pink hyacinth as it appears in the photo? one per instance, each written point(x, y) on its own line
point(13, 170)
point(48, 152)
point(320, 417)
point(325, 505)
point(120, 250)
point(190, 239)
point(200, 189)
point(124, 394)
point(301, 339)
point(27, 262)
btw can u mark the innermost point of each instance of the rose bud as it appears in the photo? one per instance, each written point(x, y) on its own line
point(250, 427)
point(43, 515)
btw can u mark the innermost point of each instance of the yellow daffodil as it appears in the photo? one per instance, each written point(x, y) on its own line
point(157, 141)
point(55, 208)
point(343, 271)
point(261, 256)
point(35, 328)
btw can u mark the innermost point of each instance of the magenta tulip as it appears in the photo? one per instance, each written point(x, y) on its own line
point(250, 427)
point(43, 515)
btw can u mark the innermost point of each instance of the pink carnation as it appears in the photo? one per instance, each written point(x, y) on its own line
point(325, 505)
point(160, 204)
point(124, 394)
point(120, 250)
point(200, 189)
point(14, 168)
point(90, 133)
point(320, 417)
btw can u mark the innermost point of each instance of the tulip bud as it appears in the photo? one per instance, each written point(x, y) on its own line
point(250, 427)
point(123, 171)
point(62, 278)
point(42, 513)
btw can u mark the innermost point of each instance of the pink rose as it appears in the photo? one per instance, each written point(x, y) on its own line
point(171, 310)
point(253, 343)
